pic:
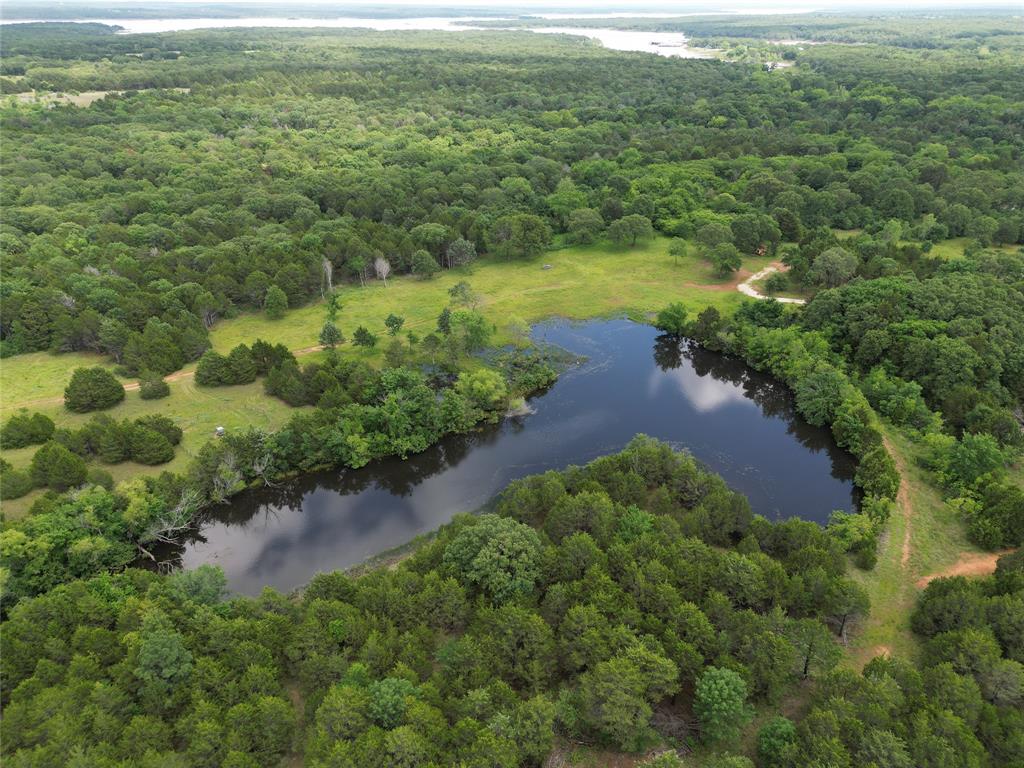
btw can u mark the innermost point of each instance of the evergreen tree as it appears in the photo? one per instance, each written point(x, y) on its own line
point(92, 389)
point(276, 303)
point(330, 336)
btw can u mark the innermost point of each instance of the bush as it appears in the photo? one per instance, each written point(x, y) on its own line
point(148, 446)
point(13, 482)
point(54, 466)
point(23, 430)
point(996, 519)
point(672, 319)
point(725, 258)
point(776, 283)
point(92, 389)
point(111, 444)
point(330, 336)
point(776, 742)
point(424, 266)
point(152, 386)
point(267, 355)
point(973, 457)
point(241, 366)
point(213, 370)
point(363, 338)
point(100, 477)
point(877, 475)
point(163, 425)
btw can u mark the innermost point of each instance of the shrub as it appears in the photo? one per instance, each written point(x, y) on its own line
point(112, 442)
point(672, 319)
point(13, 482)
point(974, 456)
point(776, 742)
point(92, 389)
point(877, 475)
point(100, 477)
point(267, 355)
point(363, 338)
point(241, 366)
point(23, 430)
point(54, 466)
point(484, 389)
point(725, 258)
point(152, 386)
point(394, 324)
point(213, 370)
point(149, 446)
point(163, 425)
point(330, 336)
point(819, 394)
point(776, 283)
point(424, 266)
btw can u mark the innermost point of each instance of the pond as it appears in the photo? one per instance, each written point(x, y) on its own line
point(739, 423)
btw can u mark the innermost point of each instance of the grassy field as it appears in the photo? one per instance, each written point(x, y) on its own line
point(924, 536)
point(583, 282)
point(197, 410)
point(594, 281)
point(25, 379)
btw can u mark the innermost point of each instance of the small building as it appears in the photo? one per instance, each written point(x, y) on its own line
point(219, 431)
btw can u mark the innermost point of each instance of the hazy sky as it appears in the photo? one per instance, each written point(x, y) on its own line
point(596, 6)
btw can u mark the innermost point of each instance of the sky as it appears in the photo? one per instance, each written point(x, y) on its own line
point(603, 6)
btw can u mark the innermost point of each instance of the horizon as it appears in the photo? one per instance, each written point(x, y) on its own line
point(529, 7)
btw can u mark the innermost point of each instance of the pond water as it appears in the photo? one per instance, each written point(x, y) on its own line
point(739, 423)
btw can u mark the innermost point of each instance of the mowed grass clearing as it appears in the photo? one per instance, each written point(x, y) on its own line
point(197, 410)
point(936, 540)
point(583, 282)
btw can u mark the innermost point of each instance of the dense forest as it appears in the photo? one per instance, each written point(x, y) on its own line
point(300, 153)
point(625, 603)
point(953, 28)
point(633, 605)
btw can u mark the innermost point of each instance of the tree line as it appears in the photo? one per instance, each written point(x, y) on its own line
point(632, 601)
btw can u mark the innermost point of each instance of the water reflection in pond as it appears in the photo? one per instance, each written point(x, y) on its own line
point(738, 422)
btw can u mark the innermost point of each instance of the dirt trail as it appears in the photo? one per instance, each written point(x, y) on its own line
point(747, 288)
point(969, 564)
point(131, 386)
point(902, 501)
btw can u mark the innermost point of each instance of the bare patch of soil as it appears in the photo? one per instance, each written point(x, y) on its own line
point(969, 564)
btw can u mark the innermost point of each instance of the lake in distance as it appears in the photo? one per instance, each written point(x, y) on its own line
point(740, 423)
